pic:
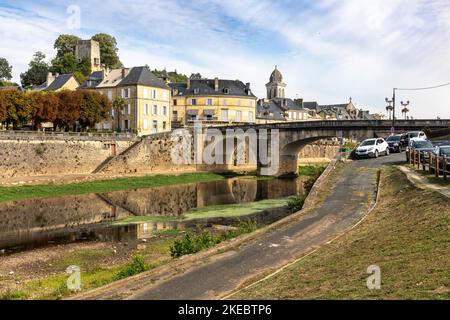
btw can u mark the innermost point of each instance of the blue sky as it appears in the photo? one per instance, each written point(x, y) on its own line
point(327, 50)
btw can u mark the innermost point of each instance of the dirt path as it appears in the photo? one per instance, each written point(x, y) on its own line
point(422, 182)
point(346, 204)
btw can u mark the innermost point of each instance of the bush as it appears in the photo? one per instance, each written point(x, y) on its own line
point(193, 244)
point(137, 266)
point(295, 203)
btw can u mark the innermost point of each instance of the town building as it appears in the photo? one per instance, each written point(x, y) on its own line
point(58, 82)
point(146, 99)
point(212, 101)
point(277, 108)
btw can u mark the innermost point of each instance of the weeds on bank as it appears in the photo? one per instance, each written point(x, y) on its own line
point(193, 244)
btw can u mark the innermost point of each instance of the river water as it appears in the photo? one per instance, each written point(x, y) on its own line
point(28, 224)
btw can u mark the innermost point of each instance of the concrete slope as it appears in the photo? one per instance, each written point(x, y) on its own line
point(346, 204)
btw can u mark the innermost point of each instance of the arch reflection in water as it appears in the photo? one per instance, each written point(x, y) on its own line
point(32, 223)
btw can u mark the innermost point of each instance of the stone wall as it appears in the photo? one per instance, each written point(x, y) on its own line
point(321, 149)
point(22, 158)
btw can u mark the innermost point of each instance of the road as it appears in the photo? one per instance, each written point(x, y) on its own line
point(345, 205)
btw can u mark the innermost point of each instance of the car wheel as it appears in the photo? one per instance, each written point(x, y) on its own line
point(376, 154)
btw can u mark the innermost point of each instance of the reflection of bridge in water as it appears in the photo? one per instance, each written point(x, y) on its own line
point(88, 217)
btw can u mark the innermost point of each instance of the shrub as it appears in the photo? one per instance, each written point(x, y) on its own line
point(138, 265)
point(295, 203)
point(193, 244)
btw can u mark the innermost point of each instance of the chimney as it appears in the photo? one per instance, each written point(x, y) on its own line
point(188, 83)
point(216, 84)
point(247, 87)
point(123, 73)
point(50, 78)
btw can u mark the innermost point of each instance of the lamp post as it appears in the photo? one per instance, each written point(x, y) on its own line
point(389, 108)
point(393, 109)
point(405, 109)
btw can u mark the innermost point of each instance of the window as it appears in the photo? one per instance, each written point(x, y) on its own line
point(209, 102)
point(175, 115)
point(164, 125)
point(196, 91)
point(129, 108)
point(164, 95)
point(110, 95)
point(145, 124)
point(250, 115)
point(154, 94)
point(165, 111)
point(175, 102)
point(238, 102)
point(238, 116)
point(224, 114)
point(225, 102)
point(125, 124)
point(126, 93)
point(112, 113)
point(155, 110)
point(194, 102)
point(146, 109)
point(145, 93)
point(155, 126)
point(226, 90)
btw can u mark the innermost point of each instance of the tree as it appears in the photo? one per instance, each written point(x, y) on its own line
point(46, 105)
point(37, 71)
point(94, 108)
point(69, 64)
point(5, 70)
point(196, 76)
point(118, 106)
point(65, 43)
point(108, 50)
point(16, 107)
point(3, 110)
point(68, 108)
point(174, 76)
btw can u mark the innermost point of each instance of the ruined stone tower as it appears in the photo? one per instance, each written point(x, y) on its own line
point(89, 49)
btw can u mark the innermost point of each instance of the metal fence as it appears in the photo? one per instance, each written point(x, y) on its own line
point(428, 161)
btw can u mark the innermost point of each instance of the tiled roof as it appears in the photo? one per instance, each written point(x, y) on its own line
point(206, 87)
point(143, 76)
point(59, 82)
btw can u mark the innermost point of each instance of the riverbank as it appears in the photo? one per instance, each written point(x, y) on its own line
point(118, 184)
point(40, 273)
point(406, 236)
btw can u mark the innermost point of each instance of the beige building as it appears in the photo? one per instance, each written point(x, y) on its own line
point(212, 101)
point(146, 100)
point(58, 82)
point(89, 49)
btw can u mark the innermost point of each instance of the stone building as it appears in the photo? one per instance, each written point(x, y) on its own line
point(213, 101)
point(89, 49)
point(277, 108)
point(146, 108)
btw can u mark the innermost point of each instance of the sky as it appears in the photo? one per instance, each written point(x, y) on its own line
point(327, 50)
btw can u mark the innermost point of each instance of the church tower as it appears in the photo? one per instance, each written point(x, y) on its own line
point(276, 86)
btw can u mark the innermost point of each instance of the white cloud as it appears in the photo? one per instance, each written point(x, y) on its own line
point(327, 50)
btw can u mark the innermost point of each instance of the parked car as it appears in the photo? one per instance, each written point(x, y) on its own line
point(372, 148)
point(412, 136)
point(394, 143)
point(424, 146)
point(443, 150)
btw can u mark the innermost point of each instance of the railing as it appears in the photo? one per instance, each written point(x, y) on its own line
point(14, 134)
point(428, 161)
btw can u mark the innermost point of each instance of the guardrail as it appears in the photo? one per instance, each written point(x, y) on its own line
point(427, 161)
point(54, 135)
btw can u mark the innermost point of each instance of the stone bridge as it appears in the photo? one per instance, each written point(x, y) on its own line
point(293, 136)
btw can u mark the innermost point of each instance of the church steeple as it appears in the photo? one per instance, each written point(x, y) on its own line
point(276, 86)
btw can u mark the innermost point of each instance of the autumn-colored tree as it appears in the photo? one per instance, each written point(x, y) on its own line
point(46, 107)
point(95, 108)
point(3, 112)
point(18, 106)
point(68, 108)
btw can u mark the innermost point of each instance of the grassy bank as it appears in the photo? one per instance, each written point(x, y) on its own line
point(54, 190)
point(407, 236)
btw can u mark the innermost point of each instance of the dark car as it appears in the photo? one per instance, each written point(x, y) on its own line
point(424, 146)
point(395, 144)
point(441, 151)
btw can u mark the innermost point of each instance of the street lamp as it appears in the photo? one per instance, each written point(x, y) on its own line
point(405, 109)
point(389, 108)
